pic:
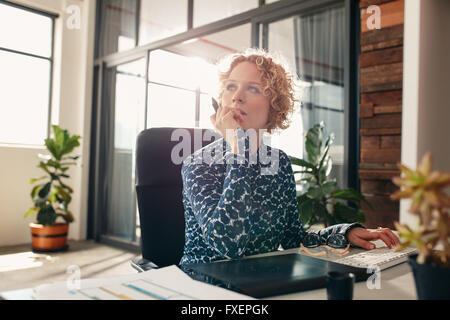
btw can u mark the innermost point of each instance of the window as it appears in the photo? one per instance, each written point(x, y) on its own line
point(159, 20)
point(181, 41)
point(183, 77)
point(207, 11)
point(129, 103)
point(26, 72)
point(314, 46)
point(172, 94)
point(125, 97)
point(118, 25)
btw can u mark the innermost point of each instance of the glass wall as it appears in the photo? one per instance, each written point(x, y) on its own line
point(314, 47)
point(122, 114)
point(172, 84)
point(118, 26)
point(207, 11)
point(161, 19)
point(183, 78)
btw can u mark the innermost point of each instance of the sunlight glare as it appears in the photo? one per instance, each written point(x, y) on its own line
point(174, 79)
point(22, 260)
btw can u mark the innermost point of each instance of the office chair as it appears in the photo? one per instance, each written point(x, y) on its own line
point(159, 193)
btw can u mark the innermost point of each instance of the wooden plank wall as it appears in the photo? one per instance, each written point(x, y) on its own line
point(380, 110)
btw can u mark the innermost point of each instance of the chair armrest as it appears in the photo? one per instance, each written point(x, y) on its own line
point(141, 264)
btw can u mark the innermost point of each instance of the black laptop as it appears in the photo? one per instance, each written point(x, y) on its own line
point(271, 275)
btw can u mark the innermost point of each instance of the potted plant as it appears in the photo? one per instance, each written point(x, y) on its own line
point(51, 196)
point(322, 201)
point(430, 203)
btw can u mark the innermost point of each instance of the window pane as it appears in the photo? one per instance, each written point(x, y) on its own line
point(281, 39)
point(182, 71)
point(117, 26)
point(207, 11)
point(24, 98)
point(314, 47)
point(125, 94)
point(159, 19)
point(213, 47)
point(172, 69)
point(197, 58)
point(170, 107)
point(206, 111)
point(130, 103)
point(25, 31)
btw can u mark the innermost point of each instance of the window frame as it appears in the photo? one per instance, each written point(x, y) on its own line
point(53, 17)
point(351, 72)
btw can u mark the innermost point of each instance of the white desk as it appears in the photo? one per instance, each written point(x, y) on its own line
point(397, 283)
point(22, 294)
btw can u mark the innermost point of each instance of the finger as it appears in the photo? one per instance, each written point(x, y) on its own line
point(220, 111)
point(213, 119)
point(239, 113)
point(238, 117)
point(392, 236)
point(236, 114)
point(359, 242)
point(221, 114)
point(225, 111)
point(385, 239)
point(231, 115)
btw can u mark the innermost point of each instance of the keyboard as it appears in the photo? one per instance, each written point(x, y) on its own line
point(381, 257)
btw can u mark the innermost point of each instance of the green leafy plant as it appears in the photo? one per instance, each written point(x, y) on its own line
point(430, 203)
point(51, 196)
point(323, 202)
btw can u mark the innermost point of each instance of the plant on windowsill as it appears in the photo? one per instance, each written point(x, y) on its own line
point(51, 196)
point(323, 202)
point(430, 204)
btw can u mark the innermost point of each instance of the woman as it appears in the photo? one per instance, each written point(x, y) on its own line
point(232, 208)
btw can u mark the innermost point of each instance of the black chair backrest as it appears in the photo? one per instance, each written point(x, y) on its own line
point(159, 189)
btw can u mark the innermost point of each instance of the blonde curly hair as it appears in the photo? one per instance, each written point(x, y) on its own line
point(278, 84)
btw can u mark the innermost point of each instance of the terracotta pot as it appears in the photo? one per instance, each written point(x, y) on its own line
point(49, 238)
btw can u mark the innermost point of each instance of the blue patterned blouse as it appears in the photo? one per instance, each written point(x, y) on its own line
point(236, 205)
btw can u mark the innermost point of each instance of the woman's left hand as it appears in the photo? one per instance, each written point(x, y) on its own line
point(361, 237)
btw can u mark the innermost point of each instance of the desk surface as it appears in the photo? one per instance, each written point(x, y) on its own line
point(396, 283)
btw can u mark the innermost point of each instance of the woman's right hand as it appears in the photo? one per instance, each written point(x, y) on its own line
point(226, 121)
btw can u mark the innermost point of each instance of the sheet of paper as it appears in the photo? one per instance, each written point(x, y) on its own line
point(168, 283)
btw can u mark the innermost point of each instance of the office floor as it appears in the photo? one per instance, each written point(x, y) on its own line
point(21, 268)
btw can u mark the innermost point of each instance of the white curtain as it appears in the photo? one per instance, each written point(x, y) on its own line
point(320, 48)
point(118, 18)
